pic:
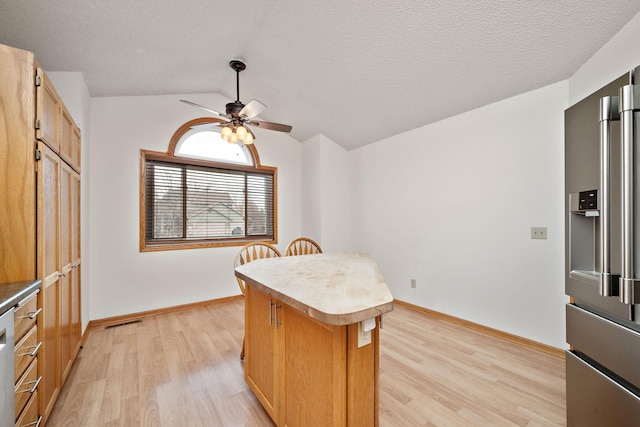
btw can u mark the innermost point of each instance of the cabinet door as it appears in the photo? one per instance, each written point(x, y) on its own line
point(76, 320)
point(362, 377)
point(66, 216)
point(76, 149)
point(49, 244)
point(66, 238)
point(263, 349)
point(17, 166)
point(47, 112)
point(49, 176)
point(70, 328)
point(66, 130)
point(75, 302)
point(315, 372)
point(64, 308)
point(69, 139)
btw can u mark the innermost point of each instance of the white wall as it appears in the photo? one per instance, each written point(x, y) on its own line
point(124, 280)
point(615, 58)
point(448, 204)
point(451, 205)
point(75, 95)
point(311, 170)
point(325, 184)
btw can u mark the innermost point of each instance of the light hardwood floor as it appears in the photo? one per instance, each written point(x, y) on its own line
point(183, 369)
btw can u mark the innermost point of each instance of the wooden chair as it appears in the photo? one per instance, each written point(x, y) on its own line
point(251, 252)
point(302, 246)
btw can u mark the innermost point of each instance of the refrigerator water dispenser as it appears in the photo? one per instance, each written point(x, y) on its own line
point(583, 236)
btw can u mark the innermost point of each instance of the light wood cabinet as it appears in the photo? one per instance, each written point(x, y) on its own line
point(70, 327)
point(263, 372)
point(315, 372)
point(75, 268)
point(59, 262)
point(47, 122)
point(305, 372)
point(17, 166)
point(25, 351)
point(26, 373)
point(69, 139)
point(40, 148)
point(26, 387)
point(49, 269)
point(30, 416)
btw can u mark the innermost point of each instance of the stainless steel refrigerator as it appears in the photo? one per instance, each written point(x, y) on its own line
point(602, 255)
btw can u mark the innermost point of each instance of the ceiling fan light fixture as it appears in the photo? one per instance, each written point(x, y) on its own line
point(226, 132)
point(232, 134)
point(241, 131)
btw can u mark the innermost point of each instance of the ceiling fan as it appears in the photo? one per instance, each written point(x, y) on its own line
point(238, 114)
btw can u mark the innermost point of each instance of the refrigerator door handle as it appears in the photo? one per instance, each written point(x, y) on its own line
point(609, 283)
point(628, 281)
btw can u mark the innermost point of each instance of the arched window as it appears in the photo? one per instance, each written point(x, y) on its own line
point(205, 192)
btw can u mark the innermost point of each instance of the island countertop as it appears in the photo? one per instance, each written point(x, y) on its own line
point(334, 288)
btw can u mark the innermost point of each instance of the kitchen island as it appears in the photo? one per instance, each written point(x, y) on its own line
point(312, 337)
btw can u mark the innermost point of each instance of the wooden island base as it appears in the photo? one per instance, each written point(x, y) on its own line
point(305, 372)
point(307, 358)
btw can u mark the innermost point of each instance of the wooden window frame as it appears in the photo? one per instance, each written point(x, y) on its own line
point(170, 157)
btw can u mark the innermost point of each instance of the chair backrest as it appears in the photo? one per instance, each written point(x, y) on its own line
point(251, 252)
point(302, 246)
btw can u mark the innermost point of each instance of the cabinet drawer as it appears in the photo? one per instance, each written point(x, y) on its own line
point(27, 387)
point(596, 337)
point(595, 399)
point(25, 316)
point(29, 417)
point(26, 352)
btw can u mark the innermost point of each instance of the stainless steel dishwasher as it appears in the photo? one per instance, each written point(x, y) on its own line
point(7, 390)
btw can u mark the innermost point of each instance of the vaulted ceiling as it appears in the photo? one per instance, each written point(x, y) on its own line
point(355, 71)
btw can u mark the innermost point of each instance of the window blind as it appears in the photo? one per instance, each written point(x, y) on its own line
point(189, 202)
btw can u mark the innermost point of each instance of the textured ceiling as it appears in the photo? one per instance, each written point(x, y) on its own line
point(355, 71)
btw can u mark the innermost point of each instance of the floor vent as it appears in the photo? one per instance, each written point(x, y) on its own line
point(123, 323)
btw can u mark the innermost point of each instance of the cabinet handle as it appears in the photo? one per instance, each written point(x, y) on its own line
point(32, 314)
point(35, 423)
point(32, 389)
point(275, 314)
point(34, 351)
point(62, 275)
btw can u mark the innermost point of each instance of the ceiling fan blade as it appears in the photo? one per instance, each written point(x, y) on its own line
point(208, 126)
point(252, 109)
point(269, 125)
point(205, 108)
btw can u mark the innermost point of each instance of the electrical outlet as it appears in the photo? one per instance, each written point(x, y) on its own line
point(413, 283)
point(364, 331)
point(364, 336)
point(539, 233)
